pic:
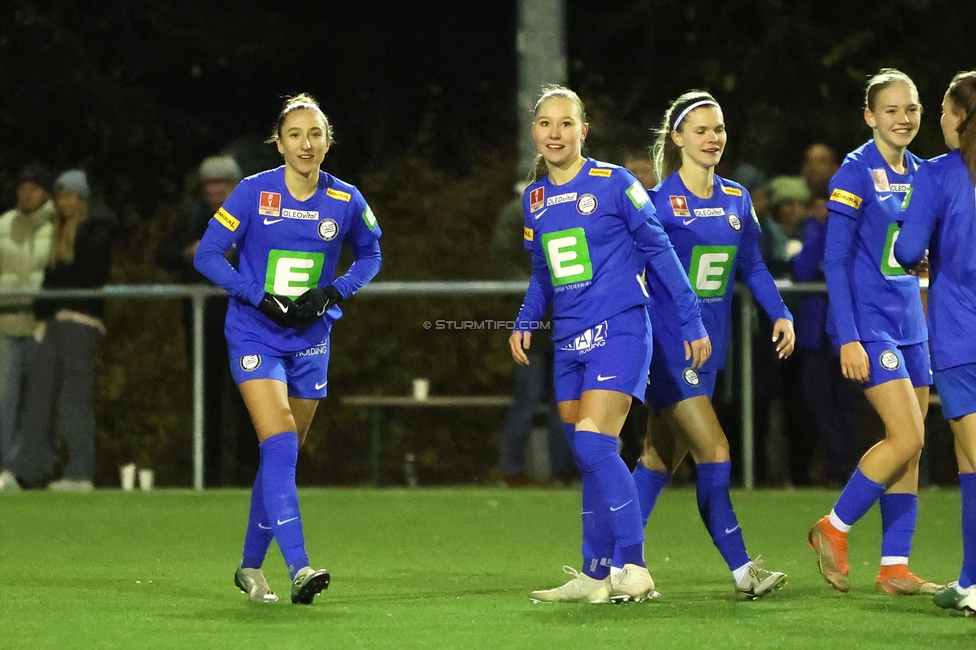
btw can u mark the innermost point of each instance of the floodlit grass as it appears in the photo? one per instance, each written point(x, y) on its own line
point(442, 568)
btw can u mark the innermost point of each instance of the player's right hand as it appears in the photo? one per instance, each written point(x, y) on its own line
point(280, 309)
point(854, 362)
point(698, 352)
point(519, 342)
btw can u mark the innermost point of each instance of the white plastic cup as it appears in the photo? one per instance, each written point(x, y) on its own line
point(146, 477)
point(127, 474)
point(421, 389)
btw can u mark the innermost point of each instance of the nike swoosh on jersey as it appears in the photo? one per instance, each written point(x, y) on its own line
point(687, 221)
point(884, 197)
point(602, 378)
point(542, 212)
point(268, 222)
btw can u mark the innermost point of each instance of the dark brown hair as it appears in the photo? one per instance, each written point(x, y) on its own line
point(299, 102)
point(962, 94)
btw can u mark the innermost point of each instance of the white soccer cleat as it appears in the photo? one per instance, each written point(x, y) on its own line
point(253, 583)
point(8, 482)
point(83, 486)
point(758, 582)
point(581, 589)
point(633, 583)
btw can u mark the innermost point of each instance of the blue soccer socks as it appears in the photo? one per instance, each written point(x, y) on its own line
point(279, 456)
point(899, 512)
point(967, 577)
point(858, 496)
point(258, 537)
point(649, 485)
point(715, 506)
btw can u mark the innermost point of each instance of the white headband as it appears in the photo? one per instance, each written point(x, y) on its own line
point(684, 113)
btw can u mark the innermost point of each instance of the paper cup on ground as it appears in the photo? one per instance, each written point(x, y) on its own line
point(421, 389)
point(127, 474)
point(146, 477)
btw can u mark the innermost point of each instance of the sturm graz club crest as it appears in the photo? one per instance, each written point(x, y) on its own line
point(735, 222)
point(328, 229)
point(889, 360)
point(691, 377)
point(250, 362)
point(586, 205)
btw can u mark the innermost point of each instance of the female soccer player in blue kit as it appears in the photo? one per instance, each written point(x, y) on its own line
point(713, 228)
point(877, 324)
point(941, 209)
point(592, 231)
point(288, 225)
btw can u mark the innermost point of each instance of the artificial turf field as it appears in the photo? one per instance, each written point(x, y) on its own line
point(443, 568)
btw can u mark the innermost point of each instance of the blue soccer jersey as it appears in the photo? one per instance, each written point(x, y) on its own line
point(940, 214)
point(591, 239)
point(285, 247)
point(715, 238)
point(872, 298)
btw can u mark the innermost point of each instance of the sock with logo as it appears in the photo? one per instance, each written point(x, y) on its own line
point(899, 512)
point(597, 455)
point(279, 456)
point(967, 576)
point(258, 537)
point(858, 496)
point(597, 536)
point(715, 506)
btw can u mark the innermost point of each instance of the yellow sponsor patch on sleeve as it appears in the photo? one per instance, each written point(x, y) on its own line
point(528, 234)
point(336, 194)
point(600, 171)
point(846, 198)
point(732, 191)
point(228, 221)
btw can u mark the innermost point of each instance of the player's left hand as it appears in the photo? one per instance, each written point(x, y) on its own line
point(698, 352)
point(784, 337)
point(313, 304)
point(920, 269)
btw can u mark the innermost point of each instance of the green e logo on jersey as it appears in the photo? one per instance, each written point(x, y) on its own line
point(889, 265)
point(291, 273)
point(568, 256)
point(711, 268)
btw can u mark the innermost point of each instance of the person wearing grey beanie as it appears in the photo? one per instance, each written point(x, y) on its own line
point(73, 180)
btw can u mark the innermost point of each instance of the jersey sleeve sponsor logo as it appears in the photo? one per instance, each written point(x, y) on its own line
point(336, 194)
point(734, 222)
point(846, 198)
point(269, 204)
point(601, 171)
point(637, 195)
point(537, 198)
point(292, 273)
point(889, 265)
point(732, 191)
point(528, 234)
point(568, 256)
point(711, 268)
point(303, 215)
point(328, 229)
point(587, 204)
point(709, 212)
point(679, 206)
point(880, 177)
point(561, 198)
point(369, 218)
point(227, 220)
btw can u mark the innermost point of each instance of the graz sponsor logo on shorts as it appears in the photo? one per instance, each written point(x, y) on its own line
point(691, 377)
point(595, 337)
point(586, 205)
point(735, 222)
point(250, 362)
point(321, 348)
point(328, 229)
point(889, 360)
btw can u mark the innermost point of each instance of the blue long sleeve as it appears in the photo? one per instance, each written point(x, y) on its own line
point(756, 275)
point(654, 245)
point(839, 248)
point(538, 296)
point(915, 235)
point(368, 260)
point(210, 261)
point(808, 263)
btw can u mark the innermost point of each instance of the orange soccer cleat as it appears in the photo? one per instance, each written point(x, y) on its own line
point(831, 547)
point(897, 580)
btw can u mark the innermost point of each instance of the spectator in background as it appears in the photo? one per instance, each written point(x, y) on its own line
point(25, 246)
point(641, 165)
point(67, 339)
point(230, 444)
point(532, 383)
point(832, 399)
point(782, 227)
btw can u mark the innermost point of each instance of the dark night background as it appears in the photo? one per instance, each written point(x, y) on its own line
point(422, 98)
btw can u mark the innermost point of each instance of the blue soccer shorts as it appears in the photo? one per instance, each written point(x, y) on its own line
point(889, 362)
point(306, 372)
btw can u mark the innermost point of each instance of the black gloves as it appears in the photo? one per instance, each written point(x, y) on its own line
point(280, 309)
point(313, 304)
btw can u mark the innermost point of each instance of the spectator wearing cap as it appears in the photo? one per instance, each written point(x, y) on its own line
point(782, 232)
point(230, 442)
point(66, 340)
point(25, 245)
